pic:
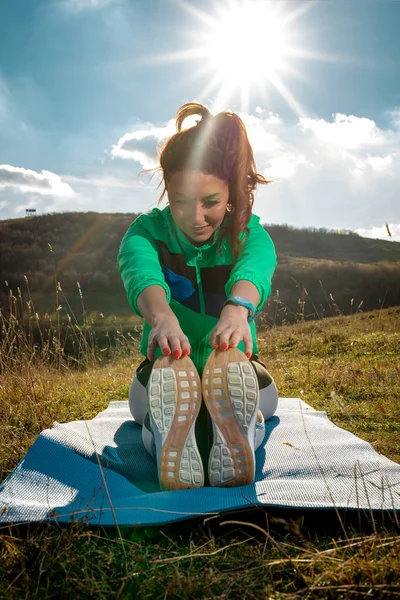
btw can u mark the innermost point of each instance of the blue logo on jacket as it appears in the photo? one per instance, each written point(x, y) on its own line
point(181, 287)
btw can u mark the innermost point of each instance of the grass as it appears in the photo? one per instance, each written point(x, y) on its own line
point(348, 366)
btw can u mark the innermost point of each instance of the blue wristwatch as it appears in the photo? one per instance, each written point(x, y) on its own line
point(246, 303)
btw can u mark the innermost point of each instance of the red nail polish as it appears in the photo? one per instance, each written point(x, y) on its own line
point(186, 352)
point(215, 347)
point(248, 354)
point(177, 354)
point(232, 344)
point(167, 351)
point(224, 346)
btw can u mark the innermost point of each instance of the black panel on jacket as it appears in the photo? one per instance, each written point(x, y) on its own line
point(181, 280)
point(176, 262)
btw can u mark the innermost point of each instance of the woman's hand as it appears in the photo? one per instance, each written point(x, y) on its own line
point(165, 333)
point(233, 326)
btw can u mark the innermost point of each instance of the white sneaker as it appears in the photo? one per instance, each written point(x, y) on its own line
point(174, 394)
point(230, 391)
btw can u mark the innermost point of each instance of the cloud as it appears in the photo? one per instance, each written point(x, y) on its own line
point(380, 163)
point(114, 189)
point(79, 5)
point(380, 232)
point(338, 173)
point(342, 173)
point(142, 145)
point(18, 203)
point(103, 181)
point(346, 131)
point(394, 116)
point(28, 181)
point(286, 165)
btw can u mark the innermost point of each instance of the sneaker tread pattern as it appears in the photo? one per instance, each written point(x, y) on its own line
point(174, 393)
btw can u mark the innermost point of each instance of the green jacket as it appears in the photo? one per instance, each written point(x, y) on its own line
point(197, 280)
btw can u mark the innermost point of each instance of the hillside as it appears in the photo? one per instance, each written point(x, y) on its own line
point(324, 244)
point(319, 272)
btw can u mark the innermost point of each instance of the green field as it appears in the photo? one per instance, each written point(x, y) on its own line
point(348, 366)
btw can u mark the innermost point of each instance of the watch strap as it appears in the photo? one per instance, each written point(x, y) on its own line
point(246, 303)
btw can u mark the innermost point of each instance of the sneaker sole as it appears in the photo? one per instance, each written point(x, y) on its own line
point(230, 391)
point(174, 393)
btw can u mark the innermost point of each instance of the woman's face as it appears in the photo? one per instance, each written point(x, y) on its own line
point(198, 203)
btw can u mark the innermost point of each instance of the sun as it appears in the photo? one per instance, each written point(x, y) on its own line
point(246, 43)
point(242, 46)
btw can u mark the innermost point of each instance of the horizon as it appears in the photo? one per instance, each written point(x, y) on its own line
point(89, 90)
point(309, 228)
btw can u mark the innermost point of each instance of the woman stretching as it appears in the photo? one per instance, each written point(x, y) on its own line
point(198, 272)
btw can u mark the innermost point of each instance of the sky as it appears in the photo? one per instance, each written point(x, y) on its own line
point(89, 90)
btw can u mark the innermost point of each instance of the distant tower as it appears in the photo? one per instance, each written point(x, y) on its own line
point(30, 212)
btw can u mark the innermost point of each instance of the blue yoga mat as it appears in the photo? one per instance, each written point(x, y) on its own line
point(99, 472)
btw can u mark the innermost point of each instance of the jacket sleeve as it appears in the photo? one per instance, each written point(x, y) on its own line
point(256, 263)
point(139, 264)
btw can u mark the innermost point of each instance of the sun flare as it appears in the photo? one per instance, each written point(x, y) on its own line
point(244, 45)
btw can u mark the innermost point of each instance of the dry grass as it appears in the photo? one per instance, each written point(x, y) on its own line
point(348, 366)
